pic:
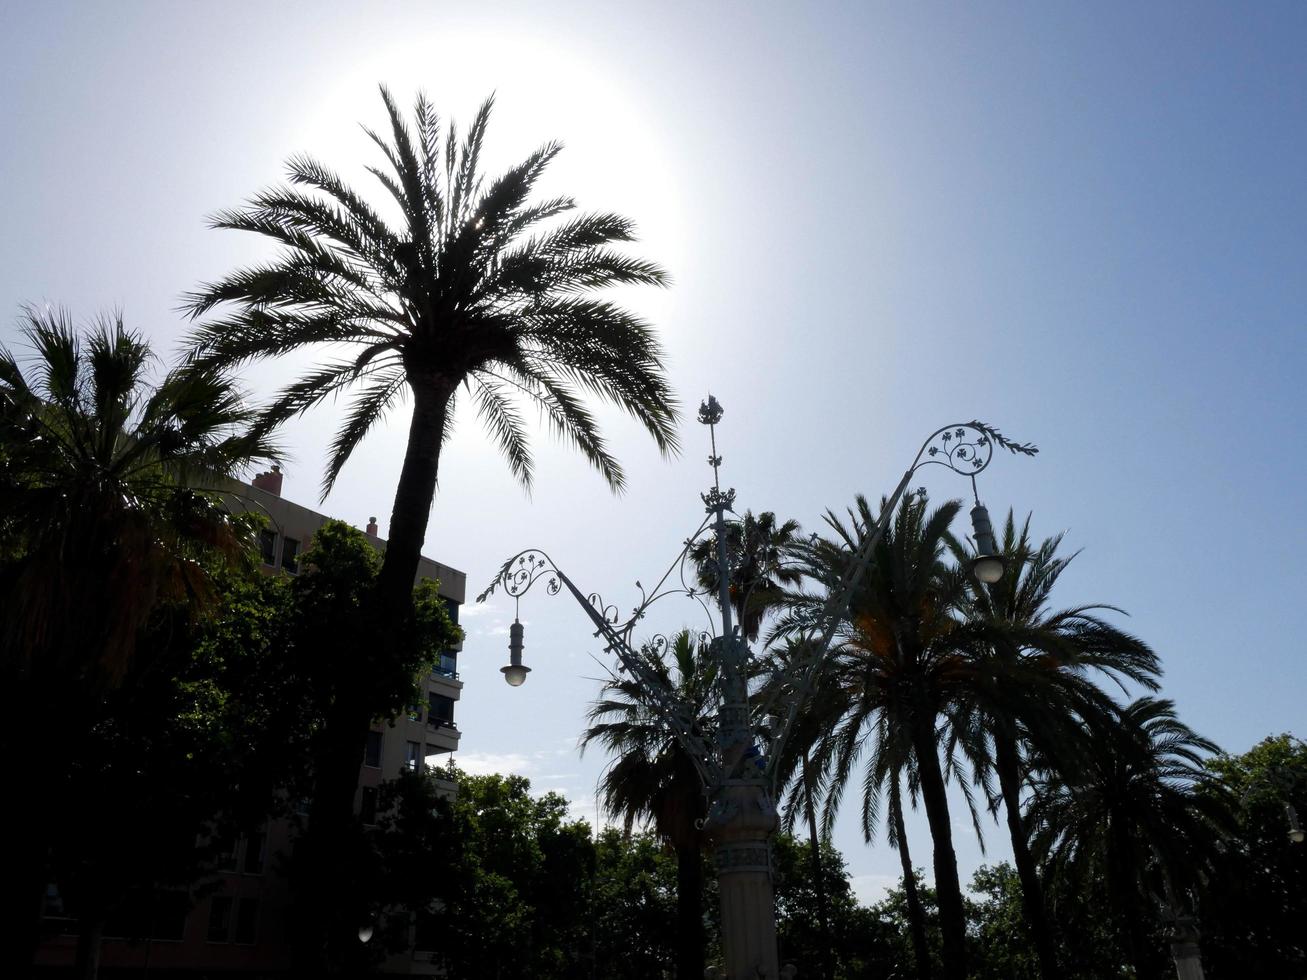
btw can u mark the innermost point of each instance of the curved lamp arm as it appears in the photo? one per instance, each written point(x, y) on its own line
point(967, 449)
point(524, 569)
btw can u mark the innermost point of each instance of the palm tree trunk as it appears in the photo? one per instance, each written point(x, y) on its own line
point(948, 890)
point(22, 910)
point(689, 913)
point(818, 882)
point(916, 914)
point(90, 929)
point(413, 496)
point(1127, 915)
point(1007, 763)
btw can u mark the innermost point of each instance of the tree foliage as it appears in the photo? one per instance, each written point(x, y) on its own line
point(1254, 906)
point(651, 779)
point(110, 510)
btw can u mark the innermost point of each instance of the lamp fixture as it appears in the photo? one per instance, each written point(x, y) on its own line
point(515, 673)
point(988, 565)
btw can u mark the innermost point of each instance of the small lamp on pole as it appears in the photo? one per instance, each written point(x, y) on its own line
point(515, 673)
point(988, 564)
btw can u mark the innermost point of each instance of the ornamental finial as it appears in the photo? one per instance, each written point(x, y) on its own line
point(710, 412)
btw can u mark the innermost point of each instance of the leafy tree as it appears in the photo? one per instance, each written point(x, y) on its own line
point(1254, 907)
point(817, 918)
point(477, 287)
point(214, 733)
point(148, 764)
point(404, 857)
point(1087, 945)
point(652, 779)
point(109, 501)
point(903, 912)
point(348, 682)
point(634, 907)
point(515, 899)
point(1003, 950)
point(177, 753)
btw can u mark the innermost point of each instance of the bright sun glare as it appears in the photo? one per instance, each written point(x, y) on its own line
point(612, 159)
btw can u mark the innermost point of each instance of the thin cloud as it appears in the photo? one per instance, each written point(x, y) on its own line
point(871, 889)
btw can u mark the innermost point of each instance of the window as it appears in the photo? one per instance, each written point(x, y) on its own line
point(227, 853)
point(415, 712)
point(429, 934)
point(170, 911)
point(440, 711)
point(451, 607)
point(54, 902)
point(268, 546)
point(220, 919)
point(290, 549)
point(372, 751)
point(368, 808)
point(254, 854)
point(247, 921)
point(447, 664)
point(413, 756)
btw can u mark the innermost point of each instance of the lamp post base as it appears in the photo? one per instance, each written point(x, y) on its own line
point(1185, 951)
point(741, 823)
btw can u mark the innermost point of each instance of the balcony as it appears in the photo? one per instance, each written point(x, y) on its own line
point(445, 672)
point(444, 735)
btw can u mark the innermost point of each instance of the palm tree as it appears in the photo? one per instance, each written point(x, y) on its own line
point(900, 660)
point(111, 491)
point(1032, 688)
point(898, 838)
point(837, 724)
point(760, 553)
point(1131, 816)
point(798, 780)
point(476, 289)
point(652, 779)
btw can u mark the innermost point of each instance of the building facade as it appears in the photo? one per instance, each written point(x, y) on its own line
point(241, 924)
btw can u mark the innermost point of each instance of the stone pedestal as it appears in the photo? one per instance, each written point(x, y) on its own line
point(1185, 950)
point(740, 824)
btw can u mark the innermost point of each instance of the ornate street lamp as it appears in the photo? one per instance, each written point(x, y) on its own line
point(515, 673)
point(738, 778)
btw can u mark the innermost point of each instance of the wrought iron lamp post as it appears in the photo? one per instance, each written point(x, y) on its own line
point(738, 778)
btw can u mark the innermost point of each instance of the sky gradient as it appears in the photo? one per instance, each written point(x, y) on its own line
point(1085, 224)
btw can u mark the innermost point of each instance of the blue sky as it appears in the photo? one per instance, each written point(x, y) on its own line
point(1085, 224)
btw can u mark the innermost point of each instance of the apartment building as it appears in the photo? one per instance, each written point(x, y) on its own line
point(241, 925)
